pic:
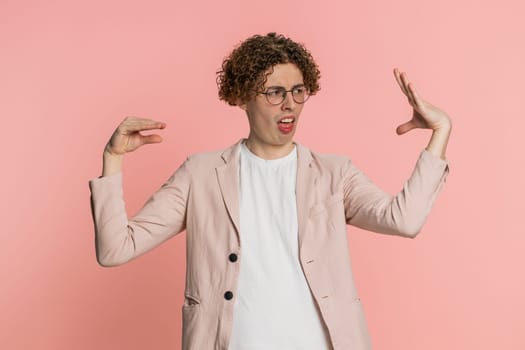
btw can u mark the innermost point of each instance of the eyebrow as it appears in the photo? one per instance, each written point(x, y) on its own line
point(279, 86)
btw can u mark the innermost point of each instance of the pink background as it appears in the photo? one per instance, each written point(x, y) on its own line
point(71, 71)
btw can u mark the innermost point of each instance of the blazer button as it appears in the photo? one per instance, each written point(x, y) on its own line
point(232, 257)
point(228, 295)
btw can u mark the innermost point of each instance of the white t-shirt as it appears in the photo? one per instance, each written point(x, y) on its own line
point(274, 308)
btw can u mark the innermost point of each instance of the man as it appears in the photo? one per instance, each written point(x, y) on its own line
point(267, 254)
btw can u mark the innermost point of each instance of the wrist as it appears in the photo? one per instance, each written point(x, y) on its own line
point(443, 128)
point(438, 141)
point(110, 155)
point(112, 158)
point(111, 163)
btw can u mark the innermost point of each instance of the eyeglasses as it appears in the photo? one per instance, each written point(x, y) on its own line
point(276, 95)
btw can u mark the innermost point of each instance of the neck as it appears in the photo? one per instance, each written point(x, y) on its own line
point(269, 152)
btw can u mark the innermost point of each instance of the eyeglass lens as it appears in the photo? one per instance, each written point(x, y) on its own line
point(276, 95)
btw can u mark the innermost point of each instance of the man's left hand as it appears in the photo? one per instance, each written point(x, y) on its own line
point(425, 115)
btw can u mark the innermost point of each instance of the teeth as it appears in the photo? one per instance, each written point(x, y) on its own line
point(287, 120)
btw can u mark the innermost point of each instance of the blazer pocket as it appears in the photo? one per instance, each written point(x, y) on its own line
point(192, 326)
point(326, 204)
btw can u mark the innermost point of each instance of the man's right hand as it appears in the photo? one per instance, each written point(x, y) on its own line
point(127, 138)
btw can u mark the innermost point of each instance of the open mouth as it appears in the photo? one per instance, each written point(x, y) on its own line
point(286, 125)
point(286, 121)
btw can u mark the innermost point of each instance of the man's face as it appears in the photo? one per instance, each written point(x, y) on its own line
point(267, 129)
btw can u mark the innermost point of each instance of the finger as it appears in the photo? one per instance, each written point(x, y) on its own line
point(151, 139)
point(406, 83)
point(399, 81)
point(132, 118)
point(142, 121)
point(405, 127)
point(139, 125)
point(411, 98)
point(417, 100)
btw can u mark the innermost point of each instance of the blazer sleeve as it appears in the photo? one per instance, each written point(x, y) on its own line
point(119, 239)
point(370, 208)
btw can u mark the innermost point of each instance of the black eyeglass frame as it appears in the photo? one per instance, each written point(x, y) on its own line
point(284, 92)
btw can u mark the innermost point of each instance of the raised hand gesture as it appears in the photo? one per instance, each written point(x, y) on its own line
point(424, 115)
point(127, 136)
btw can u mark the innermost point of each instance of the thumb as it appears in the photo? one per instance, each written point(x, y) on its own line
point(405, 127)
point(151, 139)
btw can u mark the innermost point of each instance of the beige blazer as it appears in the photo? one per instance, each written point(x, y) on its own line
point(202, 197)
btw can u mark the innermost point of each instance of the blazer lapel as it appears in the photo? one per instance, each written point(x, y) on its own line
point(304, 188)
point(228, 177)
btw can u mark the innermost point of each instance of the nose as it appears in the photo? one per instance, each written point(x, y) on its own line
point(288, 103)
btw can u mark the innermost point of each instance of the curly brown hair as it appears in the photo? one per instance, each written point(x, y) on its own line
point(243, 70)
